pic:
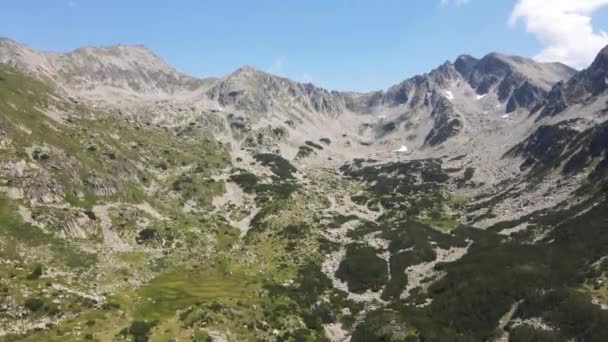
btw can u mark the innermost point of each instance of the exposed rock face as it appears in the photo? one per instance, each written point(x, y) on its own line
point(564, 148)
point(495, 68)
point(525, 96)
point(419, 99)
point(515, 83)
point(249, 89)
point(119, 75)
point(465, 65)
point(544, 147)
point(520, 82)
point(446, 124)
point(505, 75)
point(100, 72)
point(588, 145)
point(414, 91)
point(581, 88)
point(131, 67)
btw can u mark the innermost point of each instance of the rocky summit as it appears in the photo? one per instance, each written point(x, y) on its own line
point(140, 203)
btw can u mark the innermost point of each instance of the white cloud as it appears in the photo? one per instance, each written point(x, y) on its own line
point(454, 2)
point(564, 28)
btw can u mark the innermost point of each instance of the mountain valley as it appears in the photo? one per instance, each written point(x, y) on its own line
point(138, 203)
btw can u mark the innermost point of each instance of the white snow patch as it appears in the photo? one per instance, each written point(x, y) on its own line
point(506, 116)
point(449, 95)
point(479, 97)
point(402, 149)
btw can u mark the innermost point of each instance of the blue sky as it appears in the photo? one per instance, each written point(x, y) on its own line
point(341, 44)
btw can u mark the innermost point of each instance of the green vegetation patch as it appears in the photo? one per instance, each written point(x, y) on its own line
point(306, 298)
point(404, 177)
point(527, 333)
point(279, 187)
point(363, 269)
point(245, 180)
point(384, 325)
point(180, 288)
point(304, 151)
point(278, 165)
point(313, 144)
point(198, 187)
point(478, 289)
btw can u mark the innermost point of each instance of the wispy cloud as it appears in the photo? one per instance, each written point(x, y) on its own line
point(454, 2)
point(305, 78)
point(278, 66)
point(564, 27)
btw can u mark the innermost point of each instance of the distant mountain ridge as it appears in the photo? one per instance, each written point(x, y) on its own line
point(97, 72)
point(136, 70)
point(250, 89)
point(428, 109)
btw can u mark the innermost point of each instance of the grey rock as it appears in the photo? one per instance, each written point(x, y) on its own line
point(584, 86)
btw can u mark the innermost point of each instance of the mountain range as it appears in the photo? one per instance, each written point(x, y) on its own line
point(141, 203)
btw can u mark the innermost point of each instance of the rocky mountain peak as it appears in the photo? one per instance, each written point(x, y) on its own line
point(444, 74)
point(414, 90)
point(496, 66)
point(248, 69)
point(5, 41)
point(465, 64)
point(254, 90)
point(601, 61)
point(122, 52)
point(131, 68)
point(20, 55)
point(517, 81)
point(581, 88)
point(102, 73)
point(249, 75)
point(489, 72)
